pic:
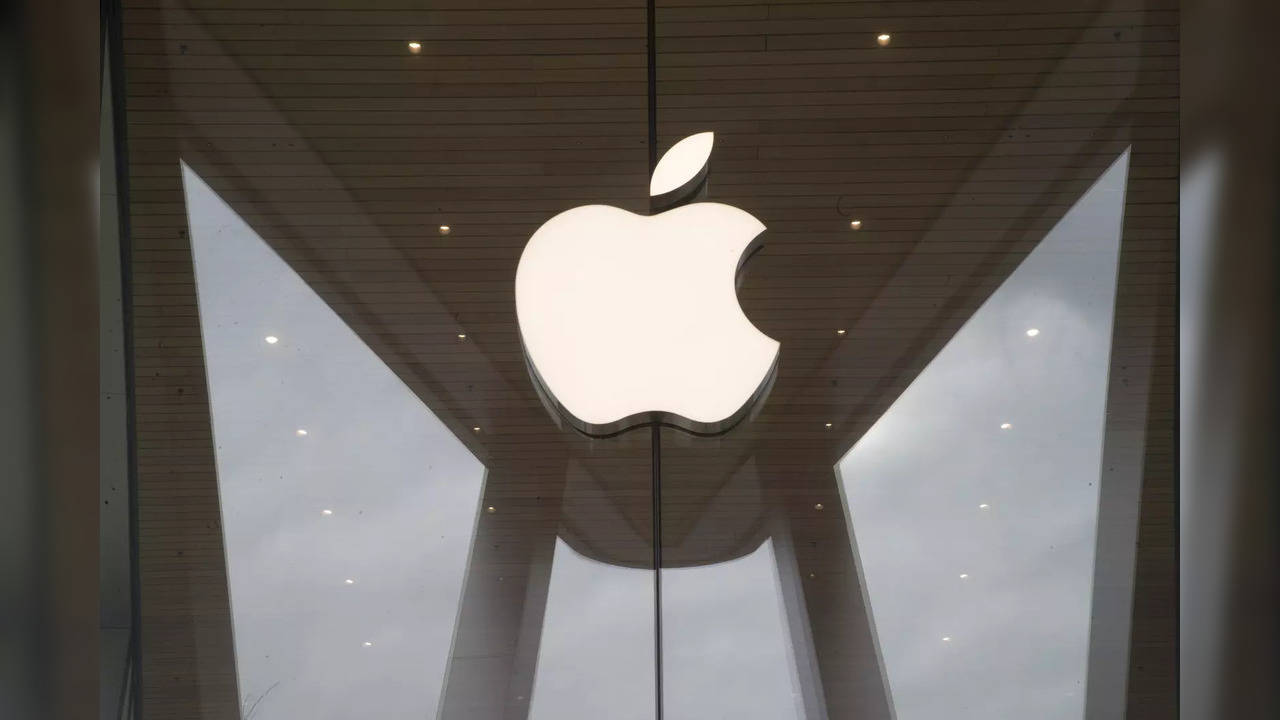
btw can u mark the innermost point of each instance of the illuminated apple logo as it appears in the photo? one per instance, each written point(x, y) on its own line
point(629, 319)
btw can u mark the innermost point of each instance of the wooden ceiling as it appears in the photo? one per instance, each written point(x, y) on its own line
point(959, 145)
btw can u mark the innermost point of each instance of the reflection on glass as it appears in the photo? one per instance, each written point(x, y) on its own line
point(348, 508)
point(727, 648)
point(1202, 494)
point(596, 654)
point(974, 499)
point(727, 652)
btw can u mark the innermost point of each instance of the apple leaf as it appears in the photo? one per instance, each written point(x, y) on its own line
point(681, 164)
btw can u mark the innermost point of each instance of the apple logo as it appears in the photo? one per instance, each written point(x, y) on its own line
point(630, 320)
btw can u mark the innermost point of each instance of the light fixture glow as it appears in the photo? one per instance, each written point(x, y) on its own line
point(445, 229)
point(462, 336)
point(964, 576)
point(415, 47)
point(984, 506)
point(606, 350)
point(818, 506)
point(1006, 426)
point(828, 424)
point(883, 39)
point(841, 332)
point(855, 224)
point(1032, 332)
point(368, 644)
point(946, 638)
point(326, 512)
point(475, 429)
point(301, 432)
point(271, 339)
point(491, 509)
point(349, 581)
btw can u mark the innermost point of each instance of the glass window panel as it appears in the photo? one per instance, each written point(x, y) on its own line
point(727, 650)
point(596, 655)
point(348, 508)
point(974, 498)
point(373, 173)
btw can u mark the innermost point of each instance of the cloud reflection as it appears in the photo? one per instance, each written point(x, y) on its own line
point(727, 650)
point(376, 490)
point(939, 487)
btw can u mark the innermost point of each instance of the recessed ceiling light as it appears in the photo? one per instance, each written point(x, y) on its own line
point(984, 506)
point(818, 506)
point(326, 512)
point(271, 339)
point(883, 39)
point(445, 229)
point(1032, 332)
point(475, 429)
point(491, 509)
point(462, 336)
point(301, 432)
point(415, 47)
point(946, 638)
point(1006, 426)
point(368, 644)
point(828, 424)
point(812, 575)
point(964, 576)
point(349, 581)
point(841, 332)
point(855, 224)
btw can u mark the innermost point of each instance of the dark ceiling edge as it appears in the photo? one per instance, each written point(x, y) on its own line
point(113, 40)
point(1148, 583)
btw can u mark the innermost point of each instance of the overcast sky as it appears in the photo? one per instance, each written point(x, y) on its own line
point(404, 496)
point(1018, 625)
point(727, 651)
point(402, 490)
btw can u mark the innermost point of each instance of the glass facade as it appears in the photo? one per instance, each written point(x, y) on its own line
point(954, 498)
